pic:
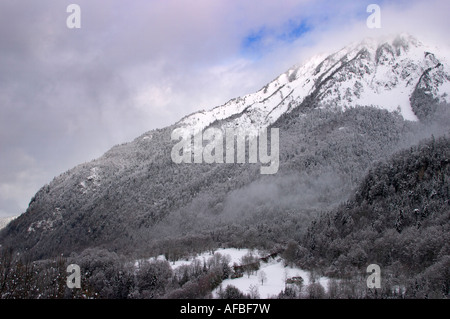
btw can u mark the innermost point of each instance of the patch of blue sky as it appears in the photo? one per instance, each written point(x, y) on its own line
point(295, 31)
point(254, 41)
point(259, 42)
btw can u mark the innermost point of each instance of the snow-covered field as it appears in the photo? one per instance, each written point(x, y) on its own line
point(275, 271)
point(276, 274)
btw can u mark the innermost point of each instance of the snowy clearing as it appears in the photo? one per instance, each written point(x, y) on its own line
point(275, 271)
point(275, 282)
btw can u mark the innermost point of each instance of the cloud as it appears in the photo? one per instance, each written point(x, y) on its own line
point(21, 178)
point(68, 95)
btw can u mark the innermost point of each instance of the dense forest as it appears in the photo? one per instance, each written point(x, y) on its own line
point(398, 219)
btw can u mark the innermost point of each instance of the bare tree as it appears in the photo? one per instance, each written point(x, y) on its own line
point(262, 277)
point(253, 292)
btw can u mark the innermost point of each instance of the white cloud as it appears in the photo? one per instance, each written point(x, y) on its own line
point(21, 180)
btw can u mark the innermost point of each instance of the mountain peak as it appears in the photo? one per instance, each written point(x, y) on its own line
point(384, 72)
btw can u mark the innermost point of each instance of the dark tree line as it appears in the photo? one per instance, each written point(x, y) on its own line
point(108, 275)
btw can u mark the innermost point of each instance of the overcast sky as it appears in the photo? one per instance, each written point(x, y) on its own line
point(68, 95)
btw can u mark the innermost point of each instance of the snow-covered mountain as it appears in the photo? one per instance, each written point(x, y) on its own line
point(383, 72)
point(135, 197)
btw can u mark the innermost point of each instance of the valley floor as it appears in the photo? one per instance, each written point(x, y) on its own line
point(275, 270)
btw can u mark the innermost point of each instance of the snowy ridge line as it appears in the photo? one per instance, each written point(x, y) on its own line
point(381, 72)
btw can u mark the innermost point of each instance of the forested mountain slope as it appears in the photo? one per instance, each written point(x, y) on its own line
point(398, 219)
point(337, 114)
